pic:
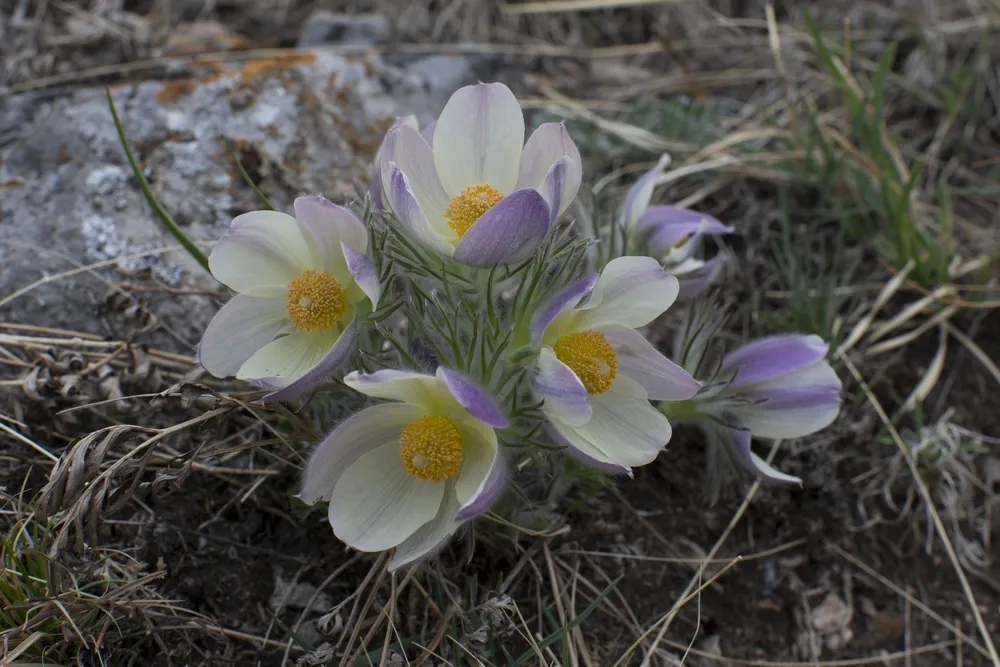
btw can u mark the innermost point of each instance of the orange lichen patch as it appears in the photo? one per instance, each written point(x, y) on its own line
point(11, 185)
point(190, 39)
point(251, 69)
point(175, 90)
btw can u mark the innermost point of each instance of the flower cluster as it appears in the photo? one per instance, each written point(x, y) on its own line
point(485, 325)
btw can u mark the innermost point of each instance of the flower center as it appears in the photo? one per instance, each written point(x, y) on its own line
point(315, 301)
point(431, 448)
point(591, 357)
point(470, 205)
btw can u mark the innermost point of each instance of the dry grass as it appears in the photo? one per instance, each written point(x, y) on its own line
point(865, 191)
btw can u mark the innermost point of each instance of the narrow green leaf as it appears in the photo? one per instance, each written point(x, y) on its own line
point(158, 210)
point(556, 636)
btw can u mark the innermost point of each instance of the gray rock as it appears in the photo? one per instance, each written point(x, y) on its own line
point(326, 27)
point(439, 73)
point(68, 196)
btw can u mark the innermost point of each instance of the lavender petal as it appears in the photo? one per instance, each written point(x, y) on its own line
point(508, 232)
point(473, 398)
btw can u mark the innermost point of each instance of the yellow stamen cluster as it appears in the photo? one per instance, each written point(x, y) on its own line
point(470, 205)
point(432, 448)
point(315, 301)
point(591, 357)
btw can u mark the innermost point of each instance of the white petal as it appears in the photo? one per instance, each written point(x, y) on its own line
point(479, 450)
point(261, 253)
point(548, 143)
point(625, 429)
point(792, 423)
point(289, 356)
point(409, 151)
point(376, 503)
point(431, 536)
point(631, 293)
point(330, 225)
point(426, 391)
point(243, 326)
point(771, 473)
point(564, 397)
point(663, 379)
point(478, 138)
point(360, 433)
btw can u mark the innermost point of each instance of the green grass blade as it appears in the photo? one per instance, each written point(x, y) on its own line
point(246, 177)
point(158, 210)
point(562, 632)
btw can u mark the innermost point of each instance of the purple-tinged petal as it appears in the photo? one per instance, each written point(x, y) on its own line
point(666, 226)
point(478, 139)
point(364, 273)
point(568, 297)
point(548, 145)
point(694, 283)
point(508, 232)
point(637, 199)
point(669, 238)
point(476, 400)
point(662, 379)
point(560, 441)
point(740, 443)
point(772, 357)
point(559, 187)
point(360, 433)
point(564, 397)
point(243, 326)
point(404, 204)
point(428, 392)
point(377, 189)
point(319, 373)
point(405, 148)
point(489, 491)
point(790, 414)
point(330, 225)
point(428, 132)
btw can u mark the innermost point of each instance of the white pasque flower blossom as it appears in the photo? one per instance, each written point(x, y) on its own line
point(469, 186)
point(596, 374)
point(406, 474)
point(298, 282)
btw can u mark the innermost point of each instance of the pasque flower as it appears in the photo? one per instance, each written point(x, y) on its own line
point(469, 186)
point(406, 474)
point(671, 234)
point(780, 387)
point(299, 280)
point(596, 374)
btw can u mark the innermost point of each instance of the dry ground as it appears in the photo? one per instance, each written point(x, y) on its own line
point(859, 162)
